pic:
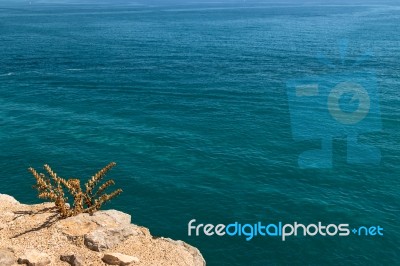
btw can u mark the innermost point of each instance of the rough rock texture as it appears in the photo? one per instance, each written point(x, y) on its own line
point(6, 257)
point(35, 235)
point(73, 260)
point(119, 259)
point(8, 199)
point(33, 257)
point(106, 238)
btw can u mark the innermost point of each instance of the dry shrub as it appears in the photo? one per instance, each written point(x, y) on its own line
point(53, 188)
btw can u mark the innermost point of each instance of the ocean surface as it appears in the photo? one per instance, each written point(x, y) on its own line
point(191, 102)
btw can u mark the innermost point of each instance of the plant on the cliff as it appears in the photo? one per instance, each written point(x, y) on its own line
point(54, 188)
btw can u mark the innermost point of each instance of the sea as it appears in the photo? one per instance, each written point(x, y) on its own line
point(191, 101)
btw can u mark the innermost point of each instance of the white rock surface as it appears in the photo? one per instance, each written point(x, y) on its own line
point(106, 238)
point(116, 216)
point(7, 257)
point(8, 199)
point(119, 259)
point(33, 257)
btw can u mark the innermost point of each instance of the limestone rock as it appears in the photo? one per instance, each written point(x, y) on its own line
point(77, 225)
point(73, 260)
point(66, 241)
point(119, 259)
point(7, 216)
point(84, 223)
point(198, 259)
point(33, 257)
point(105, 238)
point(111, 217)
point(8, 199)
point(6, 257)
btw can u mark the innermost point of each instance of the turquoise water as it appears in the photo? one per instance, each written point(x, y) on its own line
point(191, 102)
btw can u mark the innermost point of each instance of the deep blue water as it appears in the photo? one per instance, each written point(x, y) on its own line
point(191, 102)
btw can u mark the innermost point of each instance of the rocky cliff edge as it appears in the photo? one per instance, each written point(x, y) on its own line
point(34, 235)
